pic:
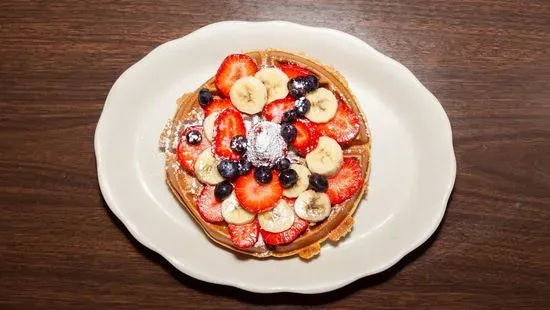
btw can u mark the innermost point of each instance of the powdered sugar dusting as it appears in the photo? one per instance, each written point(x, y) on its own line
point(295, 158)
point(265, 144)
point(260, 244)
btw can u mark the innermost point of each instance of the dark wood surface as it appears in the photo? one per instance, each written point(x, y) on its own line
point(487, 61)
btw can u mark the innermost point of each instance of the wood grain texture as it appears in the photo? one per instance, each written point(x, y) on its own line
point(488, 62)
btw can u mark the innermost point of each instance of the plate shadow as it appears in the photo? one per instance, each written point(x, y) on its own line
point(277, 298)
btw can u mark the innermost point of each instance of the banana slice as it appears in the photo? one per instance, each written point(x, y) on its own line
point(302, 183)
point(233, 213)
point(277, 219)
point(312, 206)
point(208, 125)
point(326, 158)
point(248, 95)
point(323, 105)
point(206, 168)
point(275, 82)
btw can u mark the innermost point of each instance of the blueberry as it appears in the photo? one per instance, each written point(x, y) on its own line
point(228, 169)
point(288, 132)
point(290, 116)
point(282, 164)
point(318, 183)
point(302, 105)
point(205, 97)
point(222, 190)
point(263, 175)
point(297, 87)
point(312, 83)
point(244, 166)
point(288, 178)
point(238, 144)
point(193, 137)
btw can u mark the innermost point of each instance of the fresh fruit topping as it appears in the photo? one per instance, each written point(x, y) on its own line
point(188, 153)
point(244, 166)
point(274, 110)
point(301, 184)
point(312, 206)
point(323, 105)
point(292, 70)
point(289, 116)
point(233, 213)
point(233, 68)
point(205, 97)
point(318, 183)
point(208, 125)
point(287, 236)
point(288, 132)
point(222, 190)
point(256, 197)
point(244, 236)
point(217, 105)
point(302, 105)
point(277, 219)
point(205, 168)
point(307, 137)
point(238, 144)
point(193, 137)
point(274, 81)
point(208, 206)
point(228, 169)
point(297, 87)
point(288, 178)
point(282, 164)
point(344, 127)
point(263, 175)
point(346, 182)
point(248, 95)
point(228, 125)
point(312, 83)
point(326, 158)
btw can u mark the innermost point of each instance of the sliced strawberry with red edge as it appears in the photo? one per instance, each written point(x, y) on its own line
point(209, 207)
point(256, 197)
point(187, 153)
point(344, 127)
point(307, 137)
point(244, 236)
point(233, 68)
point(274, 110)
point(347, 181)
point(292, 70)
point(290, 201)
point(217, 105)
point(286, 236)
point(227, 125)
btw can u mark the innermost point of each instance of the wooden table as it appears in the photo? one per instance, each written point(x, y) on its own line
point(488, 62)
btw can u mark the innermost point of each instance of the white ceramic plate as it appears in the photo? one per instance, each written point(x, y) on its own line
point(413, 163)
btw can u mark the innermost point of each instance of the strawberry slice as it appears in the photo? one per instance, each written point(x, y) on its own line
point(227, 125)
point(307, 137)
point(255, 197)
point(209, 207)
point(217, 105)
point(244, 236)
point(233, 68)
point(286, 236)
point(343, 127)
point(292, 70)
point(274, 110)
point(347, 181)
point(187, 153)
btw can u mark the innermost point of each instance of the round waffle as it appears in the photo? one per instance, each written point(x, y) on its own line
point(186, 188)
